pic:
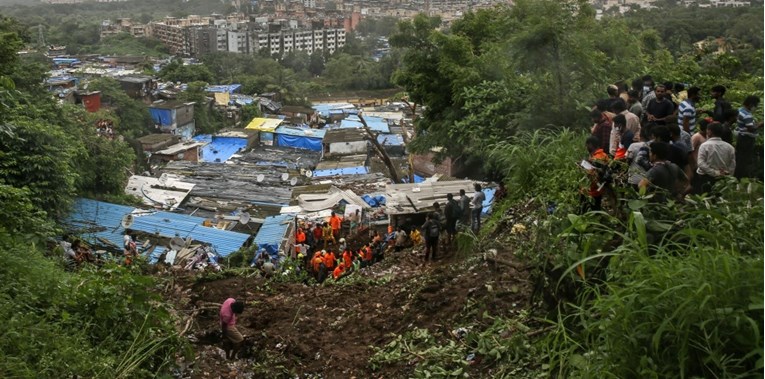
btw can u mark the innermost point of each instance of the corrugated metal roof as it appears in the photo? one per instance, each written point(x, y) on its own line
point(220, 149)
point(273, 231)
point(98, 219)
point(301, 132)
point(223, 88)
point(341, 171)
point(375, 123)
point(325, 109)
point(390, 139)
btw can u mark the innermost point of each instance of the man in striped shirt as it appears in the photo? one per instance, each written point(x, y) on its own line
point(686, 112)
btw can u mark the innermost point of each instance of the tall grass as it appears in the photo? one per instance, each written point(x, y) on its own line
point(681, 295)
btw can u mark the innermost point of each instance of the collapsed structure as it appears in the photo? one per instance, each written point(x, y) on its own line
point(252, 186)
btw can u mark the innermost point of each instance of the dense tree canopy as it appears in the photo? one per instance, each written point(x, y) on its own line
point(536, 64)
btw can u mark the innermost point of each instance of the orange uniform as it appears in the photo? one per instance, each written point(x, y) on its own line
point(300, 237)
point(347, 259)
point(329, 260)
point(338, 272)
point(335, 222)
point(316, 261)
point(368, 253)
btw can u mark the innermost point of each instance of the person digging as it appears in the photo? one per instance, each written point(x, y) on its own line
point(232, 338)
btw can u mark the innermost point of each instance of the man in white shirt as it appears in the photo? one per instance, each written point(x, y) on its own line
point(476, 206)
point(716, 158)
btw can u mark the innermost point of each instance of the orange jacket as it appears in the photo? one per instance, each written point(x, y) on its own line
point(347, 259)
point(335, 222)
point(329, 260)
point(300, 237)
point(338, 272)
point(317, 261)
point(368, 253)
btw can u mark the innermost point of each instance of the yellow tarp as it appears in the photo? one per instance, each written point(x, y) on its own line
point(264, 124)
point(222, 98)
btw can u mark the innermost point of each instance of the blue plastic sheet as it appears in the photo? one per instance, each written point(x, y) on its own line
point(299, 142)
point(161, 116)
point(374, 201)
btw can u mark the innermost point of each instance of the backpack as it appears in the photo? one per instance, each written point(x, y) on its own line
point(434, 229)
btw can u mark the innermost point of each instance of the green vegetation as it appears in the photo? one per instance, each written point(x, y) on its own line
point(96, 322)
point(542, 64)
point(125, 44)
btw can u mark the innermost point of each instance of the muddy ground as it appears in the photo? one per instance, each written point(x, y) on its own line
point(327, 331)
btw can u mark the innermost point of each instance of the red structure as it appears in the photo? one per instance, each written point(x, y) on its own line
point(91, 101)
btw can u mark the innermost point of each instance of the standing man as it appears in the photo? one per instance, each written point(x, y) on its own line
point(476, 206)
point(745, 141)
point(452, 213)
point(335, 222)
point(431, 229)
point(722, 106)
point(465, 208)
point(716, 159)
point(232, 338)
point(665, 179)
point(635, 106)
point(686, 112)
point(660, 108)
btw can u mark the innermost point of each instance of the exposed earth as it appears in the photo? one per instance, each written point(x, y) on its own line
point(328, 331)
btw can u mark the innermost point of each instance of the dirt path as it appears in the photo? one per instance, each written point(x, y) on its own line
point(327, 331)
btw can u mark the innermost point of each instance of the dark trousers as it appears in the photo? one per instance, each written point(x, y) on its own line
point(745, 156)
point(476, 215)
point(590, 203)
point(431, 248)
point(702, 183)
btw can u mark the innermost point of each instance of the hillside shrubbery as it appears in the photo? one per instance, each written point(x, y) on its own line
point(99, 323)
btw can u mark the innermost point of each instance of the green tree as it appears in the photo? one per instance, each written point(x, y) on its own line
point(176, 71)
point(38, 157)
point(206, 119)
point(134, 117)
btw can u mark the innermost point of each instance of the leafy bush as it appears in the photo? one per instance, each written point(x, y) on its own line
point(94, 323)
point(673, 291)
point(541, 164)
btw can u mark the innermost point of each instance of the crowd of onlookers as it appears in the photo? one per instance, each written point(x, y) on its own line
point(665, 144)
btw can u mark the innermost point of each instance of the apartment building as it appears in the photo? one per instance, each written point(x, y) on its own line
point(307, 40)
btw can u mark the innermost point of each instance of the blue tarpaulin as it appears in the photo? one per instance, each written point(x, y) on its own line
point(301, 138)
point(374, 201)
point(487, 204)
point(220, 149)
point(162, 116)
point(298, 142)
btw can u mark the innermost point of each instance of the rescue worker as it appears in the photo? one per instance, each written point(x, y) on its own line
point(338, 272)
point(327, 235)
point(347, 259)
point(329, 260)
point(335, 222)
